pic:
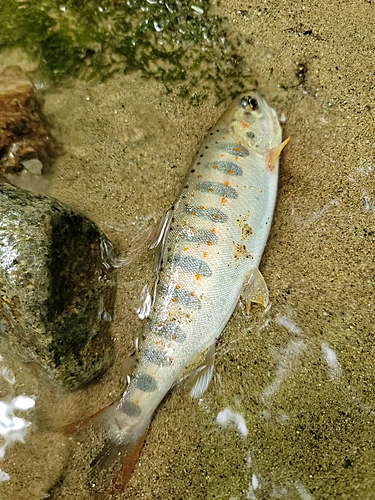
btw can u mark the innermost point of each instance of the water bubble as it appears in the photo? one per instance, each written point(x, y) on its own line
point(197, 10)
point(157, 26)
point(8, 375)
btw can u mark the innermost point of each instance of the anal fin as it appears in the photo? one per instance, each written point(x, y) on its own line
point(255, 290)
point(201, 378)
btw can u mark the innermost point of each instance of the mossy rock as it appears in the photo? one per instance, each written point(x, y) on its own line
point(56, 301)
point(179, 42)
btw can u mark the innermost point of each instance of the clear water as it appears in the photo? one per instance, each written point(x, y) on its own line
point(298, 379)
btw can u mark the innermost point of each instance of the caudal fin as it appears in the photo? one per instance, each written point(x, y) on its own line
point(115, 464)
point(119, 442)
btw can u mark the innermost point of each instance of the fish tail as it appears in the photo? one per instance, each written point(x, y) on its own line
point(122, 438)
point(115, 462)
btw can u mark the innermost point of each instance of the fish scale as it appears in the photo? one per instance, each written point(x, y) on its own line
point(215, 239)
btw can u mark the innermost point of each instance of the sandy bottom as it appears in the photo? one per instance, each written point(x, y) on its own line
point(302, 374)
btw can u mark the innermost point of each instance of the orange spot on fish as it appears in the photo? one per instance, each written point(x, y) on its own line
point(197, 277)
point(184, 223)
point(192, 195)
point(221, 155)
point(213, 230)
point(185, 249)
point(193, 213)
point(174, 299)
point(211, 190)
point(192, 294)
point(205, 254)
point(160, 325)
point(214, 167)
point(209, 243)
point(137, 402)
point(230, 171)
point(226, 183)
point(237, 149)
point(199, 176)
point(178, 287)
point(245, 125)
point(201, 207)
point(223, 201)
point(236, 158)
point(217, 216)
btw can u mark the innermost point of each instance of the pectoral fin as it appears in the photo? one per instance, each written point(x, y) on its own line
point(255, 290)
point(274, 154)
point(160, 232)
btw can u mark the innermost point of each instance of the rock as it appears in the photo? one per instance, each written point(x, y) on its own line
point(56, 298)
point(25, 133)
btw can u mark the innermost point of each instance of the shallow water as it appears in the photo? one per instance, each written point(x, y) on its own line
point(301, 374)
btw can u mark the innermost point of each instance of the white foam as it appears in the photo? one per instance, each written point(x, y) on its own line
point(303, 493)
point(3, 476)
point(334, 368)
point(143, 311)
point(228, 416)
point(12, 427)
point(288, 324)
point(285, 361)
point(23, 403)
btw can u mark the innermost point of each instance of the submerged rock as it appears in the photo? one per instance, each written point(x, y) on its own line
point(56, 301)
point(25, 135)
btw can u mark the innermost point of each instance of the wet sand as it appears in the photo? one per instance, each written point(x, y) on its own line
point(302, 374)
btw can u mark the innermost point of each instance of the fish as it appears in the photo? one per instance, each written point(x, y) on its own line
point(211, 246)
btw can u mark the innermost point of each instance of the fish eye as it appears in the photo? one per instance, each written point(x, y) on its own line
point(248, 103)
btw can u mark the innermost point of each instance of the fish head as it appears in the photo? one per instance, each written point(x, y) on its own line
point(251, 119)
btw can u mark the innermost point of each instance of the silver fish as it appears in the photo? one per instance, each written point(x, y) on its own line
point(212, 242)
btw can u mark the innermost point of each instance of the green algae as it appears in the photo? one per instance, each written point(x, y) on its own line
point(174, 41)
